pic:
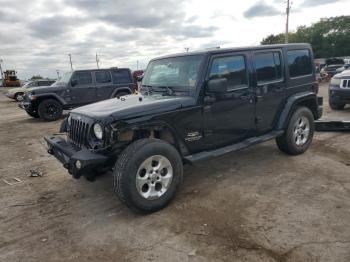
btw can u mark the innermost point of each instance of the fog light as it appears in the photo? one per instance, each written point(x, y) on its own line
point(78, 164)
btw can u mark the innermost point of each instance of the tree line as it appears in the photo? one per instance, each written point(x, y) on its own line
point(329, 37)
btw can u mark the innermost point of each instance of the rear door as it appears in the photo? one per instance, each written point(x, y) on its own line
point(104, 85)
point(122, 79)
point(270, 87)
point(83, 92)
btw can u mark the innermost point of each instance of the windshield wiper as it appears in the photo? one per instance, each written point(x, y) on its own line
point(148, 89)
point(169, 90)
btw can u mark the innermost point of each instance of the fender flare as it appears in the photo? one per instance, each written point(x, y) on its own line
point(183, 150)
point(120, 89)
point(51, 95)
point(291, 103)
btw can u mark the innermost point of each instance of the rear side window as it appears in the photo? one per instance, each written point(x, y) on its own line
point(83, 78)
point(103, 77)
point(121, 76)
point(232, 68)
point(268, 66)
point(299, 62)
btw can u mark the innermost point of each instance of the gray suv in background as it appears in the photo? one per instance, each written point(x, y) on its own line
point(77, 88)
point(339, 90)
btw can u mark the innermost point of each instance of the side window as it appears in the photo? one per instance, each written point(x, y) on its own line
point(299, 62)
point(232, 68)
point(83, 78)
point(121, 77)
point(268, 66)
point(103, 77)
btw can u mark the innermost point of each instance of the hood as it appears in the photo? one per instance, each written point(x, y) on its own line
point(132, 106)
point(43, 89)
point(16, 90)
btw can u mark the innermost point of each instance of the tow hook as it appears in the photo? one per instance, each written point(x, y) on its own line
point(50, 151)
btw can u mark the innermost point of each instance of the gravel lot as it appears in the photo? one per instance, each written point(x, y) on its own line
point(254, 205)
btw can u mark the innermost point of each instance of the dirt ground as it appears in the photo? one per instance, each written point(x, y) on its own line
point(254, 205)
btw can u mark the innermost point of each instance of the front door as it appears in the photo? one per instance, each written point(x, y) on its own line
point(270, 88)
point(229, 117)
point(83, 90)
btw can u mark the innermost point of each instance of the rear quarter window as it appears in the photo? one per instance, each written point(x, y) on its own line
point(299, 62)
point(121, 76)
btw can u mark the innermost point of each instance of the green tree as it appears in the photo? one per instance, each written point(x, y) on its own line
point(329, 37)
point(34, 77)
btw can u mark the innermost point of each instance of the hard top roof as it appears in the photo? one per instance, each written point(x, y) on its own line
point(235, 49)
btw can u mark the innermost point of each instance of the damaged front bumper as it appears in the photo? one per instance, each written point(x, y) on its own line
point(78, 161)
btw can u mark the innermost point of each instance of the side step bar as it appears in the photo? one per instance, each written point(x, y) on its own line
point(234, 147)
point(329, 126)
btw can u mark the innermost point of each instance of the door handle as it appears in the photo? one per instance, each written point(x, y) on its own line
point(279, 89)
point(247, 97)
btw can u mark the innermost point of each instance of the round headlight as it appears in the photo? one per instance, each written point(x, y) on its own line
point(98, 131)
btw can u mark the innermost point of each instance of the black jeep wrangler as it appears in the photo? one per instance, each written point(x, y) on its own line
point(191, 107)
point(75, 89)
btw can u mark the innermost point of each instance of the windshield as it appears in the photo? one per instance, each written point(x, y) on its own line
point(63, 80)
point(29, 84)
point(178, 72)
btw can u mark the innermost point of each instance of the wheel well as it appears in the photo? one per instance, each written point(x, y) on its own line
point(41, 99)
point(309, 103)
point(158, 132)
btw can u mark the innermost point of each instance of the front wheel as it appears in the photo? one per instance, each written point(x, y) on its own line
point(299, 133)
point(335, 106)
point(32, 113)
point(50, 110)
point(147, 174)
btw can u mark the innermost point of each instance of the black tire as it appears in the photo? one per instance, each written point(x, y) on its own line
point(336, 106)
point(50, 110)
point(126, 171)
point(19, 96)
point(33, 113)
point(287, 142)
point(121, 93)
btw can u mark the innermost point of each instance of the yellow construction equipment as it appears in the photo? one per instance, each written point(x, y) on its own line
point(10, 79)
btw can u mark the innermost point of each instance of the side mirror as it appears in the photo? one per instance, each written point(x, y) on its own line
point(139, 78)
point(217, 86)
point(74, 82)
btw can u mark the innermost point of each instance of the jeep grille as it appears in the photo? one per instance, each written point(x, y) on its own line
point(78, 132)
point(345, 83)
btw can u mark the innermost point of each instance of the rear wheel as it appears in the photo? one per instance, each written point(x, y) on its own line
point(299, 133)
point(147, 174)
point(19, 97)
point(121, 93)
point(50, 110)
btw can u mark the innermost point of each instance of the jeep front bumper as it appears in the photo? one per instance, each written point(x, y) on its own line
point(78, 161)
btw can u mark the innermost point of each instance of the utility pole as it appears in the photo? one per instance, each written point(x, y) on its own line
point(287, 22)
point(137, 64)
point(58, 73)
point(2, 74)
point(70, 60)
point(97, 60)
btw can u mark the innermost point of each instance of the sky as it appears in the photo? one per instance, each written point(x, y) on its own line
point(36, 36)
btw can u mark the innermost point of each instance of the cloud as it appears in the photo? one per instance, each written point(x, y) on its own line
point(261, 9)
point(312, 3)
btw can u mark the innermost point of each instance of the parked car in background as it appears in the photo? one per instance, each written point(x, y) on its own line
point(75, 89)
point(332, 64)
point(18, 92)
point(339, 90)
point(191, 107)
point(343, 68)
